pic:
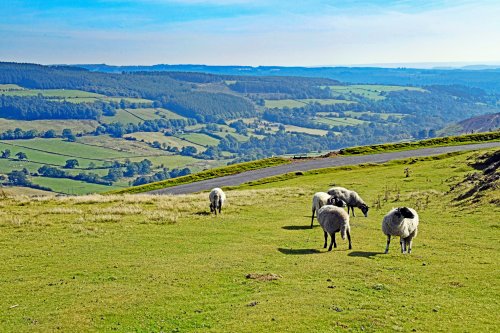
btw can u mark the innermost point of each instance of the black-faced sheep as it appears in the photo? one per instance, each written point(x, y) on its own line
point(334, 219)
point(320, 199)
point(217, 198)
point(402, 222)
point(351, 198)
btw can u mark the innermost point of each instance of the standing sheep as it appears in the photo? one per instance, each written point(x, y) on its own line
point(217, 198)
point(351, 198)
point(334, 219)
point(402, 222)
point(320, 199)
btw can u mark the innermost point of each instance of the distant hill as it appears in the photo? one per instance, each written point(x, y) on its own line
point(484, 77)
point(483, 123)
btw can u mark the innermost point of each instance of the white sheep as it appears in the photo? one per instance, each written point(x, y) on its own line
point(351, 198)
point(217, 198)
point(334, 219)
point(402, 222)
point(320, 199)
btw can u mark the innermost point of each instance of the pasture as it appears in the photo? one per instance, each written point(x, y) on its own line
point(335, 121)
point(299, 103)
point(162, 263)
point(76, 126)
point(371, 91)
point(69, 95)
point(139, 115)
point(169, 140)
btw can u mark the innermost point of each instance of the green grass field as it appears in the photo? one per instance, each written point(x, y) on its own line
point(347, 121)
point(74, 96)
point(172, 141)
point(299, 103)
point(162, 263)
point(200, 139)
point(69, 186)
point(76, 126)
point(136, 116)
point(313, 131)
point(371, 91)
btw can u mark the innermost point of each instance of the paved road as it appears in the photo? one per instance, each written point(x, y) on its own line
point(319, 163)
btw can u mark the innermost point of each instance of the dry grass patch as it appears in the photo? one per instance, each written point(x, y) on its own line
point(263, 277)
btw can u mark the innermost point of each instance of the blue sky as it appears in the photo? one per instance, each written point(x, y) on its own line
point(244, 32)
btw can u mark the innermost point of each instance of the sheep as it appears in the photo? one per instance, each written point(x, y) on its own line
point(320, 199)
point(402, 222)
point(334, 219)
point(217, 198)
point(351, 198)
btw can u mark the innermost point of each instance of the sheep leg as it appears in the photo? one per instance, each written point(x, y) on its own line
point(334, 241)
point(403, 245)
point(220, 206)
point(408, 241)
point(352, 210)
point(349, 239)
point(331, 243)
point(388, 242)
point(326, 239)
point(312, 217)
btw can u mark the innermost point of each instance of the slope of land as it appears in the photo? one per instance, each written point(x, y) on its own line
point(484, 123)
point(162, 263)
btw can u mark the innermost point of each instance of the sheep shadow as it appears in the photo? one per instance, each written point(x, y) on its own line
point(364, 254)
point(298, 251)
point(203, 213)
point(298, 227)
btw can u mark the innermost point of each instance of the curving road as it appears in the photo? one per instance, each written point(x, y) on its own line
point(305, 165)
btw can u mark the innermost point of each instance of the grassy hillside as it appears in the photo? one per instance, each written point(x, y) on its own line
point(162, 263)
point(436, 142)
point(206, 174)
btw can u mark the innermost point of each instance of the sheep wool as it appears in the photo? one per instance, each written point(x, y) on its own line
point(402, 222)
point(334, 219)
point(351, 198)
point(217, 198)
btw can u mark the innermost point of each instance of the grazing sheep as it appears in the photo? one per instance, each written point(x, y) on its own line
point(334, 219)
point(320, 199)
point(217, 198)
point(351, 198)
point(402, 222)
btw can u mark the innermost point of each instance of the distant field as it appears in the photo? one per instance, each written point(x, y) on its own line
point(200, 139)
point(136, 116)
point(18, 190)
point(298, 103)
point(371, 91)
point(313, 131)
point(57, 151)
point(121, 116)
point(76, 126)
point(69, 186)
point(74, 96)
point(120, 144)
point(171, 141)
point(384, 116)
point(339, 121)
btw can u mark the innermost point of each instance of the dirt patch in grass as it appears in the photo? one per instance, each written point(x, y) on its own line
point(263, 277)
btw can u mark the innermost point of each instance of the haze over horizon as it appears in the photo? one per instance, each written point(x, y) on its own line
point(255, 33)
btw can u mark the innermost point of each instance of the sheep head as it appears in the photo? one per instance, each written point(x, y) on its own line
point(336, 202)
point(405, 212)
point(364, 208)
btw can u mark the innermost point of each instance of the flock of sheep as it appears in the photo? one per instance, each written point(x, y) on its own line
point(328, 206)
